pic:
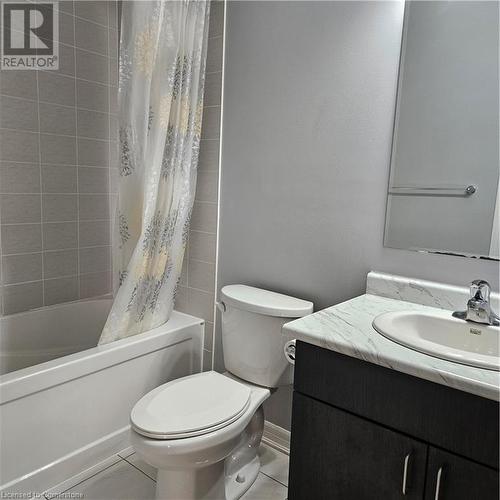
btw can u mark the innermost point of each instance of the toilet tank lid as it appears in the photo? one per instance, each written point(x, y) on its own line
point(265, 302)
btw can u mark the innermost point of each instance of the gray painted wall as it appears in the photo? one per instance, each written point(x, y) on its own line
point(309, 96)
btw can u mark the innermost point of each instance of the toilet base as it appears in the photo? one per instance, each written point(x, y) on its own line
point(207, 483)
point(226, 479)
point(239, 483)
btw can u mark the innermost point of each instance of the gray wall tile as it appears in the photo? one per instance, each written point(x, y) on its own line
point(17, 298)
point(91, 66)
point(201, 304)
point(208, 341)
point(204, 217)
point(66, 29)
point(201, 275)
point(19, 178)
point(19, 114)
point(216, 18)
point(18, 83)
point(202, 246)
point(211, 123)
point(59, 179)
point(66, 6)
point(91, 95)
point(17, 145)
point(66, 60)
point(209, 156)
point(58, 149)
point(113, 43)
point(92, 152)
point(57, 119)
point(23, 238)
point(95, 260)
point(94, 206)
point(20, 268)
point(59, 207)
point(60, 263)
point(59, 290)
point(206, 186)
point(213, 87)
point(90, 36)
point(60, 235)
point(96, 11)
point(93, 285)
point(53, 171)
point(181, 300)
point(93, 124)
point(94, 233)
point(184, 271)
point(20, 208)
point(93, 180)
point(56, 88)
point(112, 15)
point(214, 54)
point(207, 358)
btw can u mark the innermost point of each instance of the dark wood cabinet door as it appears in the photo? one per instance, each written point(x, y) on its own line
point(338, 456)
point(450, 477)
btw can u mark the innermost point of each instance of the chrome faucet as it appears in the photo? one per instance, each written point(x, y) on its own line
point(478, 305)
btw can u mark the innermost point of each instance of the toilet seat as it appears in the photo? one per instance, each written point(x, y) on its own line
point(190, 406)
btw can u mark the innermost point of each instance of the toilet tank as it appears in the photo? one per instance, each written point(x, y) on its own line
point(251, 333)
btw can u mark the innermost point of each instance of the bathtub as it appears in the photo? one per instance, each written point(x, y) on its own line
point(65, 402)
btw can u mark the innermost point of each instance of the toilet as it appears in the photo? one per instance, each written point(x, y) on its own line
point(202, 432)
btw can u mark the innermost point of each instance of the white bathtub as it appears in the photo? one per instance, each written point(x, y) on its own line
point(33, 337)
point(71, 410)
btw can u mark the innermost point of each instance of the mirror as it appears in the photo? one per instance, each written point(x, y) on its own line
point(443, 193)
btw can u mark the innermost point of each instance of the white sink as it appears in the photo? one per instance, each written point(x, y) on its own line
point(443, 336)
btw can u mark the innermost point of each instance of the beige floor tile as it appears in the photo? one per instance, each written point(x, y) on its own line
point(121, 481)
point(265, 488)
point(142, 465)
point(274, 464)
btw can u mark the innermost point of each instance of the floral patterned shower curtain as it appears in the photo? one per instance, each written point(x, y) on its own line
point(162, 70)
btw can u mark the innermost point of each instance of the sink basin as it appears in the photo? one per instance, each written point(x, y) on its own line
point(443, 336)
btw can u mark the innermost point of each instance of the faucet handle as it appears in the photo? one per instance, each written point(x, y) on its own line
point(480, 290)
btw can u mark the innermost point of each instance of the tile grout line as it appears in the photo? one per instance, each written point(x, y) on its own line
point(91, 476)
point(109, 8)
point(137, 468)
point(56, 104)
point(77, 161)
point(41, 184)
point(54, 134)
point(65, 249)
point(272, 478)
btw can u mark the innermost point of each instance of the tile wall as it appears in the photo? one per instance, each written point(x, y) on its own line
point(57, 134)
point(197, 291)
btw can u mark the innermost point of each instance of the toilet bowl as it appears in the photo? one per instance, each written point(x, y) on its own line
point(195, 459)
point(202, 432)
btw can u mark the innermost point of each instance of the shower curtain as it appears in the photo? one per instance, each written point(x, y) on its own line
point(162, 69)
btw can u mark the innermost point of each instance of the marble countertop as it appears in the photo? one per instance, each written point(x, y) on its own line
point(347, 328)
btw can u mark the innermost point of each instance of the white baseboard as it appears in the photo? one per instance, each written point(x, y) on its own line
point(276, 437)
point(73, 468)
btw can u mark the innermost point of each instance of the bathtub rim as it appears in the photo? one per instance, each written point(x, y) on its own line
point(19, 383)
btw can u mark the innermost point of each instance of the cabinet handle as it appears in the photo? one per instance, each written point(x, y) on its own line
point(405, 472)
point(438, 483)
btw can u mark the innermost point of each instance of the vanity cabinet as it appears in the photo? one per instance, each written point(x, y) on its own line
point(364, 432)
point(454, 478)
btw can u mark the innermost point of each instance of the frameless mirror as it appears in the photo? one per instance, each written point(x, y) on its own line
point(443, 193)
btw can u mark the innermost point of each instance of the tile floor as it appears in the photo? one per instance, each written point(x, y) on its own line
point(132, 479)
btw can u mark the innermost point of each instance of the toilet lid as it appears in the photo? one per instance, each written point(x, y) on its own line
point(190, 406)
